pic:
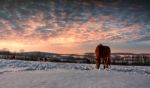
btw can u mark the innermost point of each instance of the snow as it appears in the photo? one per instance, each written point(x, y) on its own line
point(33, 65)
point(18, 65)
point(29, 74)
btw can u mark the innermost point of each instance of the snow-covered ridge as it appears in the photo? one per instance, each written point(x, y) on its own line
point(34, 65)
point(18, 65)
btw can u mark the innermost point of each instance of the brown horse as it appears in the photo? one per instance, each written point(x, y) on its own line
point(102, 56)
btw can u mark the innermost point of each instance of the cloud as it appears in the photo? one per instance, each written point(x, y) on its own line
point(96, 28)
point(73, 23)
point(144, 38)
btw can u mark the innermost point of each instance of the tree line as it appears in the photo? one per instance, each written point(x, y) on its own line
point(89, 58)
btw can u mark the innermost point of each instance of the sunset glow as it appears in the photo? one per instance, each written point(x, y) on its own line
point(74, 27)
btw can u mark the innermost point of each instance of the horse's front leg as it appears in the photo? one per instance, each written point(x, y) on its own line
point(97, 63)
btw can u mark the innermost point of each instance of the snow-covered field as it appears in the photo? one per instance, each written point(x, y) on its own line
point(28, 74)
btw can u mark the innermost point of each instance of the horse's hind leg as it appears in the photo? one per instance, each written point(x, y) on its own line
point(109, 62)
point(106, 62)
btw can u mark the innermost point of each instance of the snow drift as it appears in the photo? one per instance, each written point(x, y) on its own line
point(27, 74)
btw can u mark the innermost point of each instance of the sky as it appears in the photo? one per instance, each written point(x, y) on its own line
point(75, 26)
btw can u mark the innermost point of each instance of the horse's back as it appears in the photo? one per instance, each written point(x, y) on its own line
point(107, 51)
point(104, 51)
